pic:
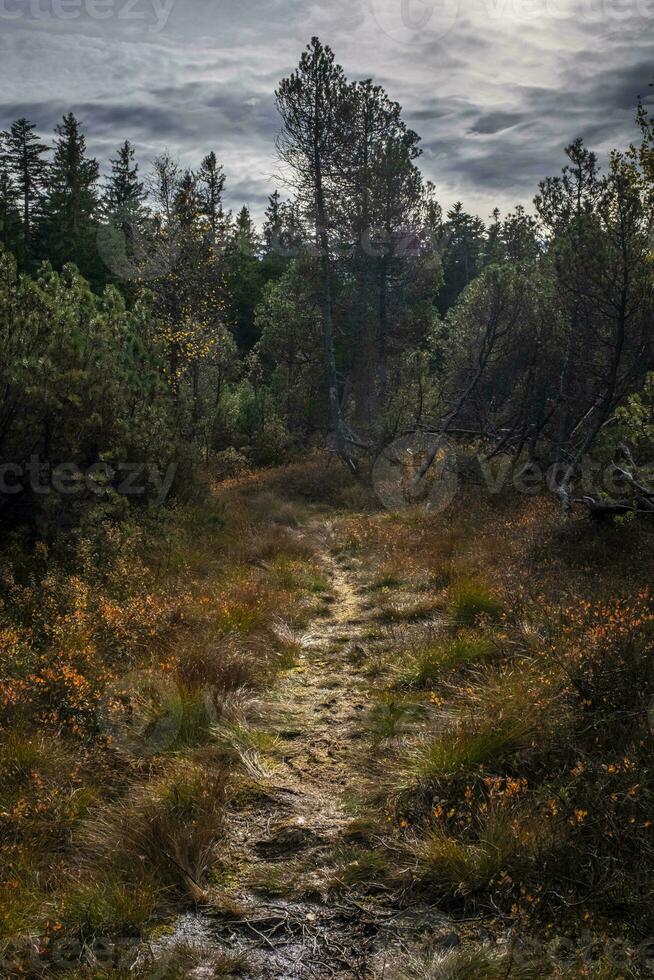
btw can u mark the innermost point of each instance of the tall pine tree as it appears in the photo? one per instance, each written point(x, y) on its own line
point(22, 155)
point(212, 184)
point(316, 109)
point(124, 192)
point(72, 204)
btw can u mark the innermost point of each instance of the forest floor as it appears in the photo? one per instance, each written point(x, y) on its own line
point(311, 906)
point(284, 733)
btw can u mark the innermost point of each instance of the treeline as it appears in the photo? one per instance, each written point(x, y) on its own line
point(146, 322)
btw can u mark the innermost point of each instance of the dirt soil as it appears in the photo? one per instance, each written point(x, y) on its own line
point(291, 915)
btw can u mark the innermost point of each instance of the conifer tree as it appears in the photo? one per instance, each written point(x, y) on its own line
point(464, 254)
point(212, 184)
point(22, 155)
point(272, 228)
point(73, 200)
point(244, 278)
point(124, 194)
point(316, 109)
point(10, 222)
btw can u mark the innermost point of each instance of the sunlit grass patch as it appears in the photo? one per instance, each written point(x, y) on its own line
point(470, 603)
point(495, 717)
point(289, 573)
point(415, 609)
point(392, 717)
point(163, 831)
point(110, 905)
point(463, 748)
point(388, 576)
point(451, 865)
point(191, 959)
point(425, 666)
point(254, 749)
point(360, 869)
point(472, 963)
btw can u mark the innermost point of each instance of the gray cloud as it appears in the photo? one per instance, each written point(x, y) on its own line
point(496, 89)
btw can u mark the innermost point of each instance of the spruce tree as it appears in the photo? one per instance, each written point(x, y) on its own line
point(187, 203)
point(22, 155)
point(212, 184)
point(73, 200)
point(10, 220)
point(464, 256)
point(272, 228)
point(124, 192)
point(244, 278)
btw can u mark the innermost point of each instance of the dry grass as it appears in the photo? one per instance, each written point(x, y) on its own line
point(116, 656)
point(471, 603)
point(470, 964)
point(501, 841)
point(164, 830)
point(187, 959)
point(541, 691)
point(512, 780)
point(425, 666)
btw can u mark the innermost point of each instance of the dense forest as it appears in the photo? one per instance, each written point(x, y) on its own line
point(142, 323)
point(182, 395)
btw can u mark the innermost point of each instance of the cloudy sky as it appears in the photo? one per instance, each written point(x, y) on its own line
point(496, 88)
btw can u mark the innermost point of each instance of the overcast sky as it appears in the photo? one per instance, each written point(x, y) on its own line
point(496, 88)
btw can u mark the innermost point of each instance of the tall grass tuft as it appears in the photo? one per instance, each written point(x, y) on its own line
point(472, 603)
point(425, 666)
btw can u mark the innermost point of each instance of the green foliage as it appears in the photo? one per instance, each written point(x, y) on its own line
point(81, 383)
point(427, 665)
point(471, 603)
point(637, 417)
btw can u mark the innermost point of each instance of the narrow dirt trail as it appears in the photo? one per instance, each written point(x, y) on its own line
point(309, 798)
point(288, 911)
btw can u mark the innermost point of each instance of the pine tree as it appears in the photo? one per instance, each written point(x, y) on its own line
point(272, 228)
point(212, 184)
point(22, 155)
point(10, 221)
point(124, 192)
point(316, 108)
point(73, 200)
